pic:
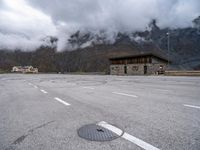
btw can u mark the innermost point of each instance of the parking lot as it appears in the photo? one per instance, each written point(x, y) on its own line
point(45, 111)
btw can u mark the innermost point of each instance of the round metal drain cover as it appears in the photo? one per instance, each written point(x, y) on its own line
point(93, 132)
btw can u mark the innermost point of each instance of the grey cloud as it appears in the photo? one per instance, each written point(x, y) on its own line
point(61, 18)
point(121, 14)
point(13, 41)
point(23, 27)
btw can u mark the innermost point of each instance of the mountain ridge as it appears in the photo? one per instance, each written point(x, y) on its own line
point(92, 51)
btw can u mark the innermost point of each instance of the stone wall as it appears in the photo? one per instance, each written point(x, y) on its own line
point(136, 69)
point(155, 68)
point(117, 69)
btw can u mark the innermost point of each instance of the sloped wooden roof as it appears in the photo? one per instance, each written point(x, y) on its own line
point(140, 55)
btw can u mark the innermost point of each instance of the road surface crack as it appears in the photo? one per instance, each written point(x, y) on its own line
point(23, 137)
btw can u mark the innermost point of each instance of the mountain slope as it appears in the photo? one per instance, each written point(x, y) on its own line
point(92, 51)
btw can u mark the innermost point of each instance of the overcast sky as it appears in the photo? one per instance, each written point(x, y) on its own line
point(23, 23)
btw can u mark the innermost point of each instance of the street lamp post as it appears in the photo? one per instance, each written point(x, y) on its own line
point(168, 46)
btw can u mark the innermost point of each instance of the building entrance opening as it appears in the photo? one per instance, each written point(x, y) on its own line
point(125, 69)
point(145, 69)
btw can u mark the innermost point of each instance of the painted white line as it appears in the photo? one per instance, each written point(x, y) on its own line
point(61, 101)
point(127, 136)
point(162, 90)
point(192, 106)
point(43, 91)
point(71, 83)
point(139, 142)
point(124, 94)
point(110, 127)
point(30, 83)
point(91, 88)
point(35, 87)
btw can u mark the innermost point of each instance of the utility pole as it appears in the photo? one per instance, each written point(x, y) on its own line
point(168, 45)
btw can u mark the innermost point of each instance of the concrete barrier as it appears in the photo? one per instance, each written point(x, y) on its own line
point(182, 73)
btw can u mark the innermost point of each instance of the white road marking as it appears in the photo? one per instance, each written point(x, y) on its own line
point(162, 90)
point(91, 88)
point(61, 101)
point(110, 127)
point(192, 106)
point(71, 83)
point(35, 86)
point(127, 136)
point(43, 91)
point(124, 94)
point(30, 83)
point(139, 142)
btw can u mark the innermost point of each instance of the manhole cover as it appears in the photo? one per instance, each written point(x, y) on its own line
point(93, 132)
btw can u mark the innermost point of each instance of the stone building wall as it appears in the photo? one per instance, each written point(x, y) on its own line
point(154, 68)
point(117, 69)
point(136, 69)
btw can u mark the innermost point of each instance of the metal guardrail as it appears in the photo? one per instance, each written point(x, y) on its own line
point(182, 73)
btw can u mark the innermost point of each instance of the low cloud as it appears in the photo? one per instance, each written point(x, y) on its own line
point(22, 26)
point(28, 21)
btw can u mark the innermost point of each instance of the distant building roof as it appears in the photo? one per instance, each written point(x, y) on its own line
point(140, 55)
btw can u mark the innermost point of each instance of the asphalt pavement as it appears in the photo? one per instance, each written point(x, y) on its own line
point(44, 111)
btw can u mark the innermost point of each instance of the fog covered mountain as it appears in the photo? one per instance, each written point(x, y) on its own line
point(90, 52)
point(24, 23)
